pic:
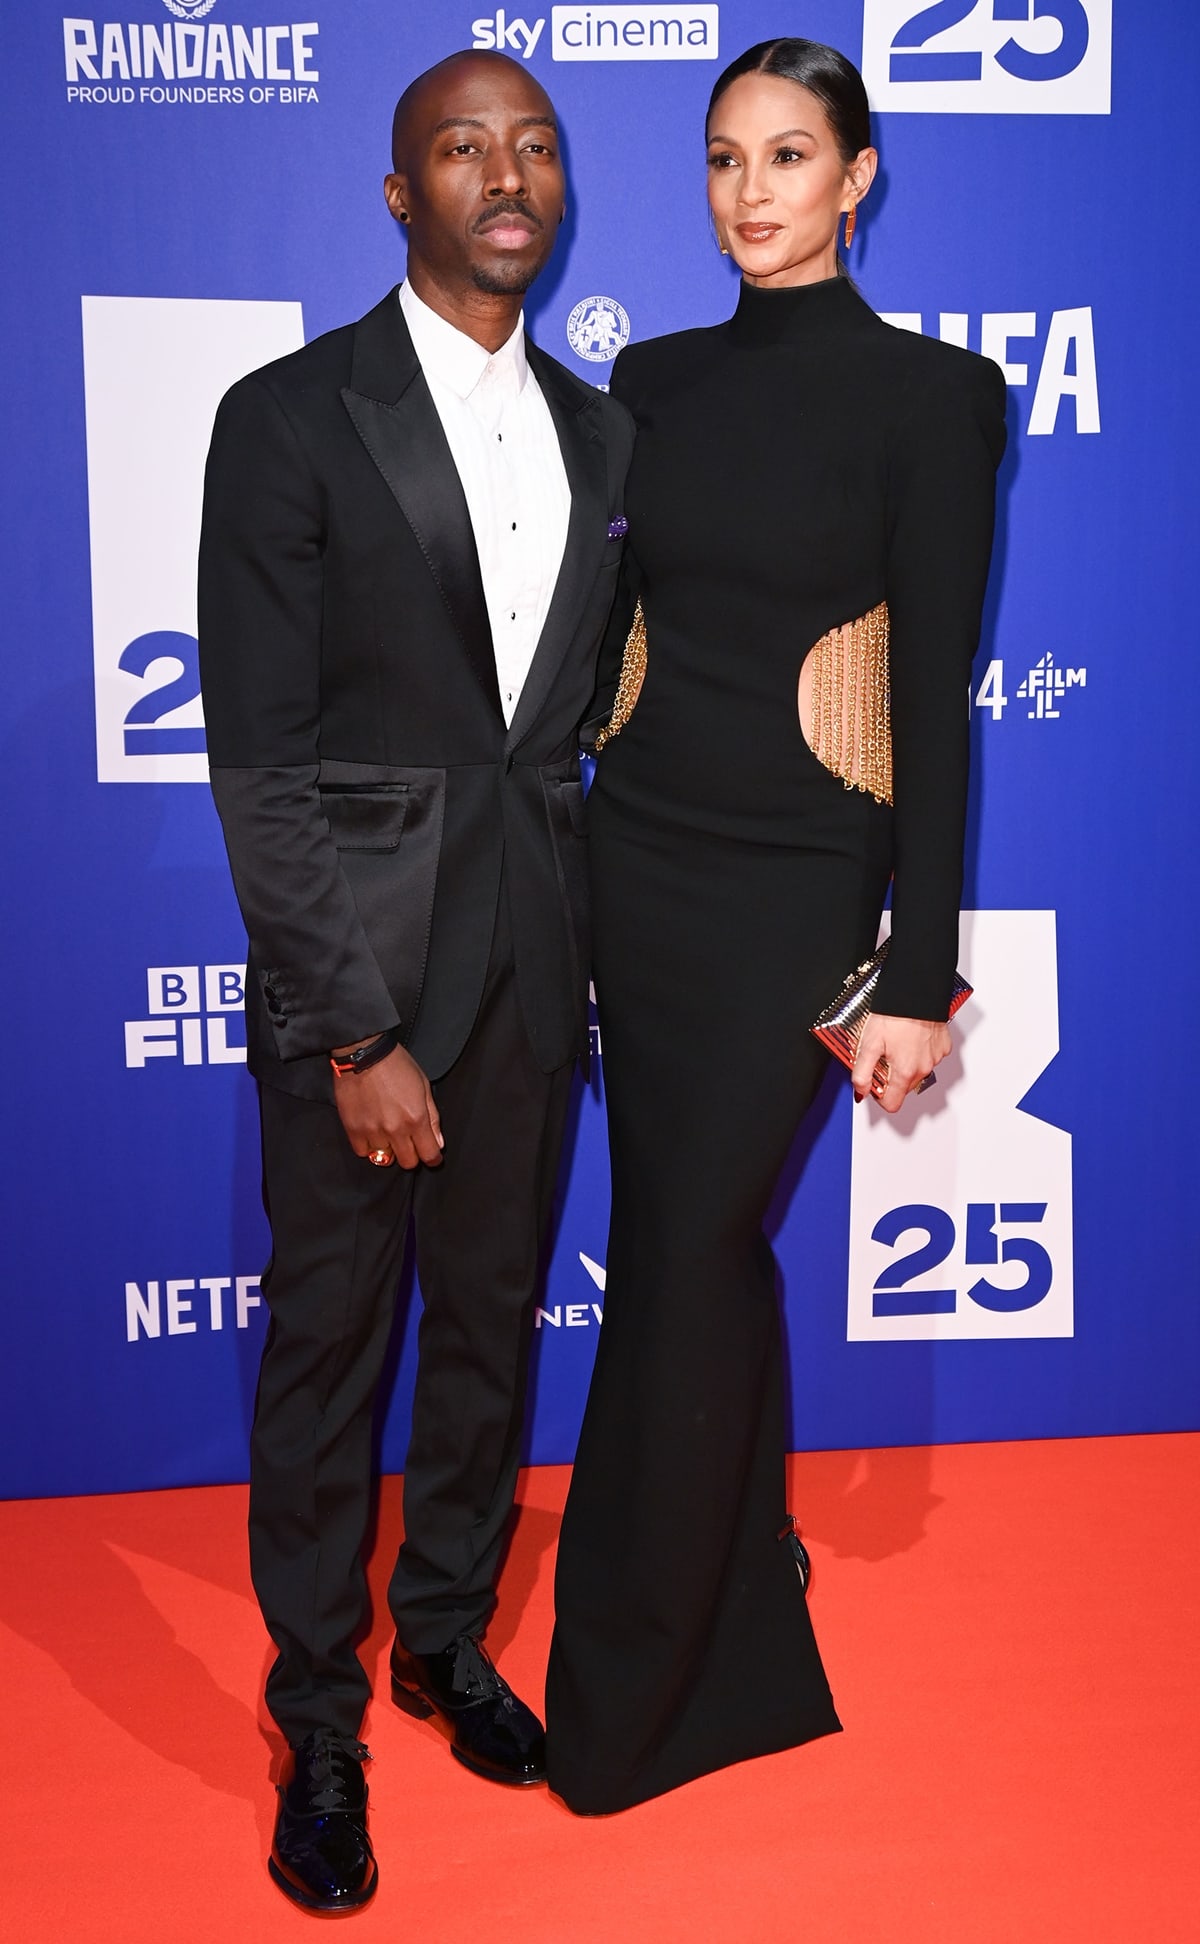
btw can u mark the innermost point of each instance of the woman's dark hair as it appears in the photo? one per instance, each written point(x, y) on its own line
point(835, 81)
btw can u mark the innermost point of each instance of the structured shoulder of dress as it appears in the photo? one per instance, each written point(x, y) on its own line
point(938, 392)
point(927, 362)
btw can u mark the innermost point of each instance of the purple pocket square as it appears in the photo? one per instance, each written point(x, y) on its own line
point(617, 529)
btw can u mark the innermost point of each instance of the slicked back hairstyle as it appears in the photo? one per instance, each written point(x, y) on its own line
point(833, 80)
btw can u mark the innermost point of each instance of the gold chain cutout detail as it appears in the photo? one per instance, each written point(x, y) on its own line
point(851, 717)
point(629, 687)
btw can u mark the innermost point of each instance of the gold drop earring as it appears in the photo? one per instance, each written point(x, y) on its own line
point(851, 220)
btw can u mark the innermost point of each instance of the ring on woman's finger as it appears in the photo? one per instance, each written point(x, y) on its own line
point(381, 1157)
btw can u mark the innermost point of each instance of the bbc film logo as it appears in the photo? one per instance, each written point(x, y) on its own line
point(191, 1013)
point(188, 60)
point(988, 57)
point(603, 33)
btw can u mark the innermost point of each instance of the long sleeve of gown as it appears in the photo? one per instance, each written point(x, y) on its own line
point(941, 491)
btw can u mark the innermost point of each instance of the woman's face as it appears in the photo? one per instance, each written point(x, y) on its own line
point(776, 182)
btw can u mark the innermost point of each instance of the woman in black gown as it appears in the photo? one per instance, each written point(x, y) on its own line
point(805, 478)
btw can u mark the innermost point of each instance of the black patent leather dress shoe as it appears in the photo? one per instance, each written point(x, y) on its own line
point(322, 1856)
point(491, 1731)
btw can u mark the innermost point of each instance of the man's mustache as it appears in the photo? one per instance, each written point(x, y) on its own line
point(497, 211)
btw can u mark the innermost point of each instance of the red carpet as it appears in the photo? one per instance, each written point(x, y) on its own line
point(1010, 1631)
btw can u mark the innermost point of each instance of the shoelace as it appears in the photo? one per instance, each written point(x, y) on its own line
point(474, 1674)
point(799, 1550)
point(325, 1755)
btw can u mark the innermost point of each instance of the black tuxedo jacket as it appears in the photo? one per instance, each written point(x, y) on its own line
point(368, 787)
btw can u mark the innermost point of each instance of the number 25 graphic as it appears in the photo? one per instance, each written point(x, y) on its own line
point(893, 1297)
point(966, 65)
point(144, 733)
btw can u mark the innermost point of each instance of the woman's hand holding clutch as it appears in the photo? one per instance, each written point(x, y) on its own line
point(895, 1055)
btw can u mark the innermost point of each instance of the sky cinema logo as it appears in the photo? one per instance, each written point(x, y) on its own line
point(189, 60)
point(603, 33)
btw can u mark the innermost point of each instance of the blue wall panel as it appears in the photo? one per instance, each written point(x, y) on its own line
point(1041, 220)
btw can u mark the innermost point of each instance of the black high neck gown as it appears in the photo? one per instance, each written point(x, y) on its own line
point(793, 468)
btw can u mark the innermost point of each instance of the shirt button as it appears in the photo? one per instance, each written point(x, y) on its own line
point(513, 615)
point(514, 526)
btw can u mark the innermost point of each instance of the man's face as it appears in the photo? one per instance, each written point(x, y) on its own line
point(481, 182)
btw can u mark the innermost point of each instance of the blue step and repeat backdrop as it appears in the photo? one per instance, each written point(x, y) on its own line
point(194, 186)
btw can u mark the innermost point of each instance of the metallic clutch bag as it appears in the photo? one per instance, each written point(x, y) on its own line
point(838, 1027)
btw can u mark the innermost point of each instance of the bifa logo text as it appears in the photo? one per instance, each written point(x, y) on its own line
point(989, 57)
point(190, 1008)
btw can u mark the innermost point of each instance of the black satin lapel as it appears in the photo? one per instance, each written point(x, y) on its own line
point(582, 448)
point(406, 441)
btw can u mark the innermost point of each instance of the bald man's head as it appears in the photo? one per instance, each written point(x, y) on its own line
point(477, 182)
point(419, 107)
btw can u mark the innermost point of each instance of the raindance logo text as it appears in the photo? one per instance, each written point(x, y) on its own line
point(188, 60)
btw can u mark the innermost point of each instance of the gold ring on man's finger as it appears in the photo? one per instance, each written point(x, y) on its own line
point(381, 1157)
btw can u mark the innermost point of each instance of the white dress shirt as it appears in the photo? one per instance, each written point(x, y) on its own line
point(503, 442)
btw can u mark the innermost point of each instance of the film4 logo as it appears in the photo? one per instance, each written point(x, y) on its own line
point(190, 1007)
point(1043, 690)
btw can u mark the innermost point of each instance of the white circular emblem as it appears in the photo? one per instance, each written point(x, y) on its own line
point(597, 329)
point(189, 9)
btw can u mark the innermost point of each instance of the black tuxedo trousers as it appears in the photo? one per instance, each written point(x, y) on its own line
point(339, 1228)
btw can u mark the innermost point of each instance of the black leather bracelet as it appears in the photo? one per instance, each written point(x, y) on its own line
point(365, 1056)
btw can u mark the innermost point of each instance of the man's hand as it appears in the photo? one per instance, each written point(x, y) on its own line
point(894, 1055)
point(391, 1106)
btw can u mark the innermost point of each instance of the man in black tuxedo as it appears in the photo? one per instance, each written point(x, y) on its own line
point(412, 530)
